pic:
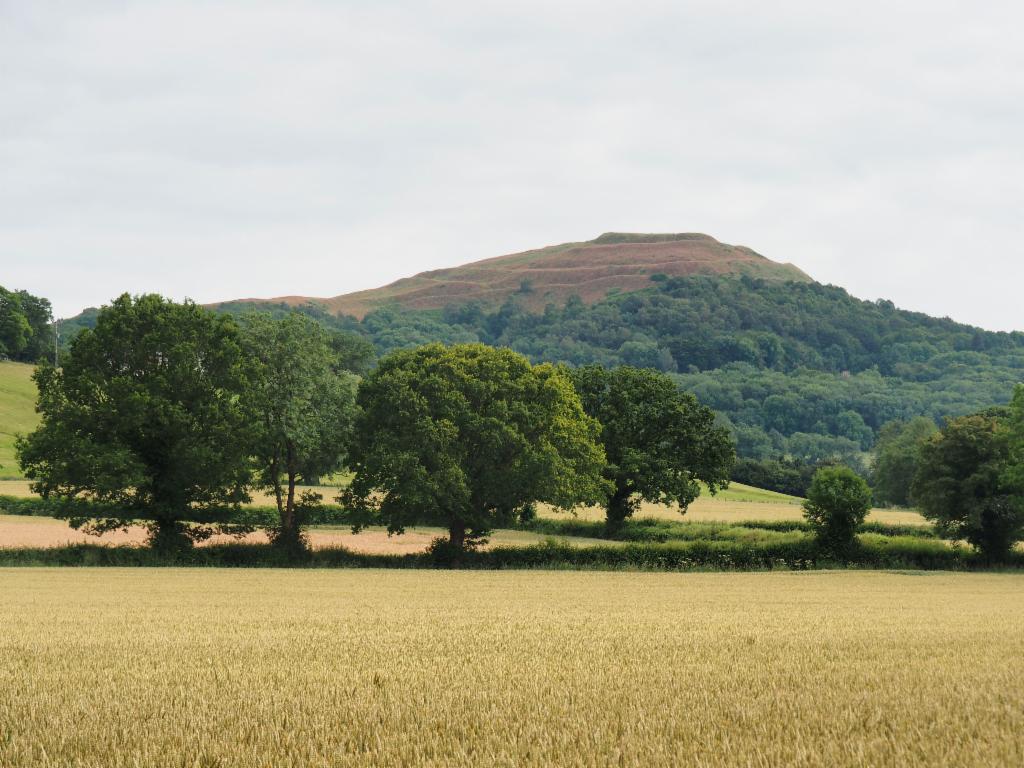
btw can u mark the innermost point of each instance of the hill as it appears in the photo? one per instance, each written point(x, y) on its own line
point(796, 369)
point(614, 262)
point(17, 411)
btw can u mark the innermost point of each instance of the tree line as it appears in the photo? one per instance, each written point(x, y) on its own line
point(26, 326)
point(173, 414)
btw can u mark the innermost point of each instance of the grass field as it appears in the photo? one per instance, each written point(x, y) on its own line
point(741, 492)
point(728, 507)
point(17, 411)
point(201, 667)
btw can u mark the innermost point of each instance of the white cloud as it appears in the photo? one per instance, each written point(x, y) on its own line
point(227, 149)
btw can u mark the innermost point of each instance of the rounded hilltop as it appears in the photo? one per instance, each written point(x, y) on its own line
point(615, 262)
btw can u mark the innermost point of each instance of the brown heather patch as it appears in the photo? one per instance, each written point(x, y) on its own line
point(590, 270)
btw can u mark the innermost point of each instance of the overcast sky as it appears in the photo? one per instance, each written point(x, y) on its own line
point(221, 150)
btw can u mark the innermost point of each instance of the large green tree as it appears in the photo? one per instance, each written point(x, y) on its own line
point(301, 411)
point(896, 453)
point(660, 442)
point(965, 483)
point(468, 436)
point(145, 415)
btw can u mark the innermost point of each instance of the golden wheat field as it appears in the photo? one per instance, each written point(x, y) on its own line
point(180, 667)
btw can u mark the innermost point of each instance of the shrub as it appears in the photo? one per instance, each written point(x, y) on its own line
point(837, 502)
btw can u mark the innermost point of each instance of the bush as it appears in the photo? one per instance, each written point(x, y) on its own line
point(837, 502)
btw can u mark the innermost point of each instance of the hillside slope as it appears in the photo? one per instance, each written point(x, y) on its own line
point(614, 262)
point(795, 368)
point(17, 411)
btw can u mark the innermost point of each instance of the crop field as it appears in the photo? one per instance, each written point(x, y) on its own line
point(20, 531)
point(207, 667)
point(723, 509)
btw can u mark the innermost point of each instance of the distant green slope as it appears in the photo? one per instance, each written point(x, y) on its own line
point(17, 412)
point(741, 492)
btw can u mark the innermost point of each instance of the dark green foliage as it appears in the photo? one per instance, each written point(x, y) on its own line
point(300, 411)
point(352, 353)
point(837, 502)
point(874, 552)
point(353, 350)
point(777, 414)
point(799, 370)
point(1013, 476)
point(803, 371)
point(965, 483)
point(145, 416)
point(780, 475)
point(467, 437)
point(71, 327)
point(896, 453)
point(660, 443)
point(26, 327)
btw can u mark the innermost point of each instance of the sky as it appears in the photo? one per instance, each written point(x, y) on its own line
point(219, 150)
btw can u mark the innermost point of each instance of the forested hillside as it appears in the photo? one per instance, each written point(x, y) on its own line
point(797, 369)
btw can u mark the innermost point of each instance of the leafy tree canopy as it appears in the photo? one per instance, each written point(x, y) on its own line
point(469, 436)
point(301, 410)
point(1014, 474)
point(26, 326)
point(145, 414)
point(896, 453)
point(660, 442)
point(966, 485)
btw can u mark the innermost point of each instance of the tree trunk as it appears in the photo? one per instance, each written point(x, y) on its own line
point(457, 535)
point(289, 533)
point(618, 509)
point(169, 535)
point(288, 519)
point(288, 536)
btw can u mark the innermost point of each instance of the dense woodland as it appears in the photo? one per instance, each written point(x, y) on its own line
point(798, 371)
point(26, 326)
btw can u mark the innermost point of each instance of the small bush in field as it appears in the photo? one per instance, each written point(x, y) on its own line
point(837, 502)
